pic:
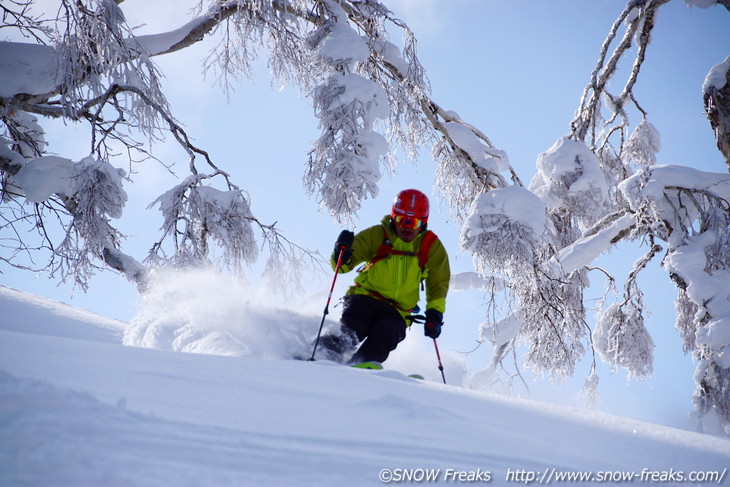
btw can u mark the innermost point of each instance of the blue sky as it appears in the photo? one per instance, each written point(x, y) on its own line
point(513, 69)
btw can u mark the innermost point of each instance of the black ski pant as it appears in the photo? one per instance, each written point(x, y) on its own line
point(375, 323)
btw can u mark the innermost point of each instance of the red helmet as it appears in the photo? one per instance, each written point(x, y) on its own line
point(410, 209)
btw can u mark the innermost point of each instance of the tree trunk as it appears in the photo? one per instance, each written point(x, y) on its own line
point(717, 107)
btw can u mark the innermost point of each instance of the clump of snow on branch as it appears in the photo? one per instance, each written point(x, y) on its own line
point(401, 75)
point(344, 165)
point(28, 141)
point(503, 331)
point(643, 145)
point(195, 213)
point(708, 285)
point(28, 135)
point(503, 227)
point(464, 281)
point(342, 47)
point(499, 334)
point(621, 339)
point(554, 321)
point(94, 185)
point(664, 191)
point(28, 68)
point(467, 163)
point(99, 188)
point(92, 190)
point(390, 53)
point(99, 196)
point(42, 177)
point(569, 176)
point(716, 79)
point(493, 160)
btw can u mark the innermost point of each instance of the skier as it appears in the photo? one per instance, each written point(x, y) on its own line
point(398, 255)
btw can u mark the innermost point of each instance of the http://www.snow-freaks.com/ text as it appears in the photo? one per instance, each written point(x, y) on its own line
point(547, 476)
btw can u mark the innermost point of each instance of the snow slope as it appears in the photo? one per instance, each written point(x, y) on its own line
point(77, 408)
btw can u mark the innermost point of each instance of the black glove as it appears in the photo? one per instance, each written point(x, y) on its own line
point(434, 322)
point(344, 245)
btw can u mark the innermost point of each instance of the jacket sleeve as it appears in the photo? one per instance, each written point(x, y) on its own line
point(364, 248)
point(438, 277)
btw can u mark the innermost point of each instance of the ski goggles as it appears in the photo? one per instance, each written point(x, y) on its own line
point(411, 222)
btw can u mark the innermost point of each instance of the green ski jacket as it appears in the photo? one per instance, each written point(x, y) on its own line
point(397, 278)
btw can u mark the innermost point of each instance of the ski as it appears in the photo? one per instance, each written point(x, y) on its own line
point(369, 365)
point(379, 366)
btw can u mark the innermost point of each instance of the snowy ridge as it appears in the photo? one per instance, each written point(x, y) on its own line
point(53, 318)
point(77, 408)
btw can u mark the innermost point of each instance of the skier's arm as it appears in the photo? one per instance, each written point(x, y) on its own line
point(437, 279)
point(364, 247)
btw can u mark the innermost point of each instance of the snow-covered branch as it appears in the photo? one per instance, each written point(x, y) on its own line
point(196, 214)
point(640, 18)
point(690, 210)
point(99, 73)
point(91, 192)
point(594, 242)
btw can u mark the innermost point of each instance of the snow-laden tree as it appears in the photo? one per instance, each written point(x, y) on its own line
point(595, 187)
point(601, 186)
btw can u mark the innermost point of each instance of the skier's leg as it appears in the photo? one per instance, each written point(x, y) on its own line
point(337, 346)
point(358, 314)
point(355, 325)
point(386, 331)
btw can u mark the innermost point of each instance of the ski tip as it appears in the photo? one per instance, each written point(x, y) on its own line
point(416, 376)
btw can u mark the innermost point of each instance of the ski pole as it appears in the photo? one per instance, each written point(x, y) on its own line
point(438, 356)
point(422, 319)
point(329, 298)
